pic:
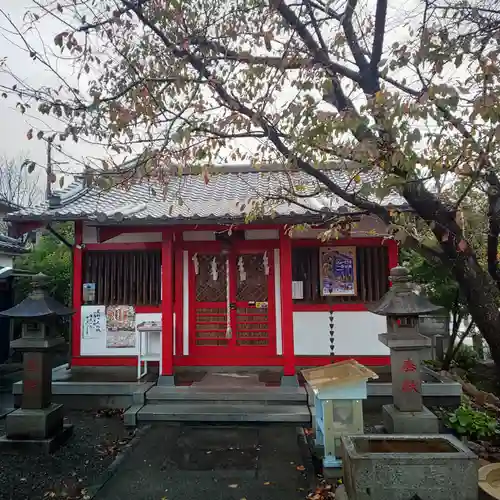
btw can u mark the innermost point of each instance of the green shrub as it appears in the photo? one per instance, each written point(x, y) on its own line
point(471, 423)
point(466, 357)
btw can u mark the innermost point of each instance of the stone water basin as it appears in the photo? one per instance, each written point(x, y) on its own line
point(401, 467)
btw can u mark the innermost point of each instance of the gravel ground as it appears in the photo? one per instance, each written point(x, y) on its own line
point(96, 440)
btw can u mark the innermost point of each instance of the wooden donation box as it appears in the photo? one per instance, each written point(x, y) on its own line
point(339, 390)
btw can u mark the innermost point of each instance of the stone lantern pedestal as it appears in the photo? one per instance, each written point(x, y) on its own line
point(39, 424)
point(407, 414)
point(403, 306)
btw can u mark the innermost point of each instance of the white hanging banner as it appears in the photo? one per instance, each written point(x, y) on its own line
point(241, 269)
point(265, 261)
point(213, 269)
point(196, 264)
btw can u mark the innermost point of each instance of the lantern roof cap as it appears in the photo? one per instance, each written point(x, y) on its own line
point(402, 298)
point(38, 304)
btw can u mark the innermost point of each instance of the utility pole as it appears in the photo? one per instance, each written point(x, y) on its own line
point(48, 186)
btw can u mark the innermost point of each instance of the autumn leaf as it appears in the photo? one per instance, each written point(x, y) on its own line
point(300, 468)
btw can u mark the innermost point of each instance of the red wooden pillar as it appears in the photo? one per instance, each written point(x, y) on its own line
point(167, 310)
point(393, 255)
point(178, 297)
point(77, 291)
point(286, 303)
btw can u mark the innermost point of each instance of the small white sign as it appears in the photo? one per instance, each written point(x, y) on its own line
point(93, 322)
point(297, 290)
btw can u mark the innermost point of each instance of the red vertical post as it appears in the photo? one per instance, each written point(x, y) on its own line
point(286, 303)
point(178, 298)
point(167, 306)
point(393, 255)
point(76, 325)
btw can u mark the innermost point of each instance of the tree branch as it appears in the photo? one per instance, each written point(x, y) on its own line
point(273, 62)
point(268, 128)
point(378, 37)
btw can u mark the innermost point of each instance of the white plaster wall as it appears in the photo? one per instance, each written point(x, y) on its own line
point(262, 234)
point(311, 333)
point(355, 333)
point(198, 236)
point(89, 235)
point(6, 260)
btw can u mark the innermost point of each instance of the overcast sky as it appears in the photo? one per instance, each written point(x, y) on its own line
point(14, 126)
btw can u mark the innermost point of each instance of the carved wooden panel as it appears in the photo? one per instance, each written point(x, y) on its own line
point(209, 289)
point(255, 285)
point(211, 327)
point(252, 326)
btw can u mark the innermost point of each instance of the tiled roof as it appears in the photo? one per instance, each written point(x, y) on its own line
point(229, 195)
point(10, 245)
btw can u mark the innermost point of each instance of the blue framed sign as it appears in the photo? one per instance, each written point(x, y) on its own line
point(338, 271)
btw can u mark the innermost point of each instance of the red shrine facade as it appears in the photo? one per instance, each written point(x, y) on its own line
point(193, 278)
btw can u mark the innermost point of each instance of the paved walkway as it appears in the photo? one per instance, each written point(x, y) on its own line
point(212, 463)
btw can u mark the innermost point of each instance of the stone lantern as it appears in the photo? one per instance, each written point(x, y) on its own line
point(403, 306)
point(38, 423)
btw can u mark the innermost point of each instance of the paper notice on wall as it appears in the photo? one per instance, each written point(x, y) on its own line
point(93, 322)
point(338, 271)
point(120, 327)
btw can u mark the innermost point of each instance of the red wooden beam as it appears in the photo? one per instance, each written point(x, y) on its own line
point(167, 314)
point(358, 242)
point(77, 291)
point(340, 307)
point(299, 361)
point(155, 245)
point(286, 302)
point(238, 245)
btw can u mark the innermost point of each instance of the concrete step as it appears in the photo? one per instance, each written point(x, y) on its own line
point(260, 395)
point(225, 413)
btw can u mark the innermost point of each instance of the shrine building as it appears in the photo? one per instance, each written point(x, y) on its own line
point(217, 270)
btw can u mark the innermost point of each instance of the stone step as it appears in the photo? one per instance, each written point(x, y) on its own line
point(264, 395)
point(225, 413)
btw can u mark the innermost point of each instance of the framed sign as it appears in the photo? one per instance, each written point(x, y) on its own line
point(120, 322)
point(338, 271)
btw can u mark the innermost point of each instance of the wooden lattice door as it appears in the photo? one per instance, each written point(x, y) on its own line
point(233, 304)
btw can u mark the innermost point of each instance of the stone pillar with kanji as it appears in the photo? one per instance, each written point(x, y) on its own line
point(402, 306)
point(39, 424)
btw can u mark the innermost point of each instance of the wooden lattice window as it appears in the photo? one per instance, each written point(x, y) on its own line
point(254, 287)
point(124, 277)
point(372, 267)
point(209, 289)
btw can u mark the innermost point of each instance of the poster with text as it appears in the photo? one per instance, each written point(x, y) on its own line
point(93, 322)
point(338, 271)
point(120, 327)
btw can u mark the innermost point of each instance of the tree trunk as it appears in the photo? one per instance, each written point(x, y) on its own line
point(477, 286)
